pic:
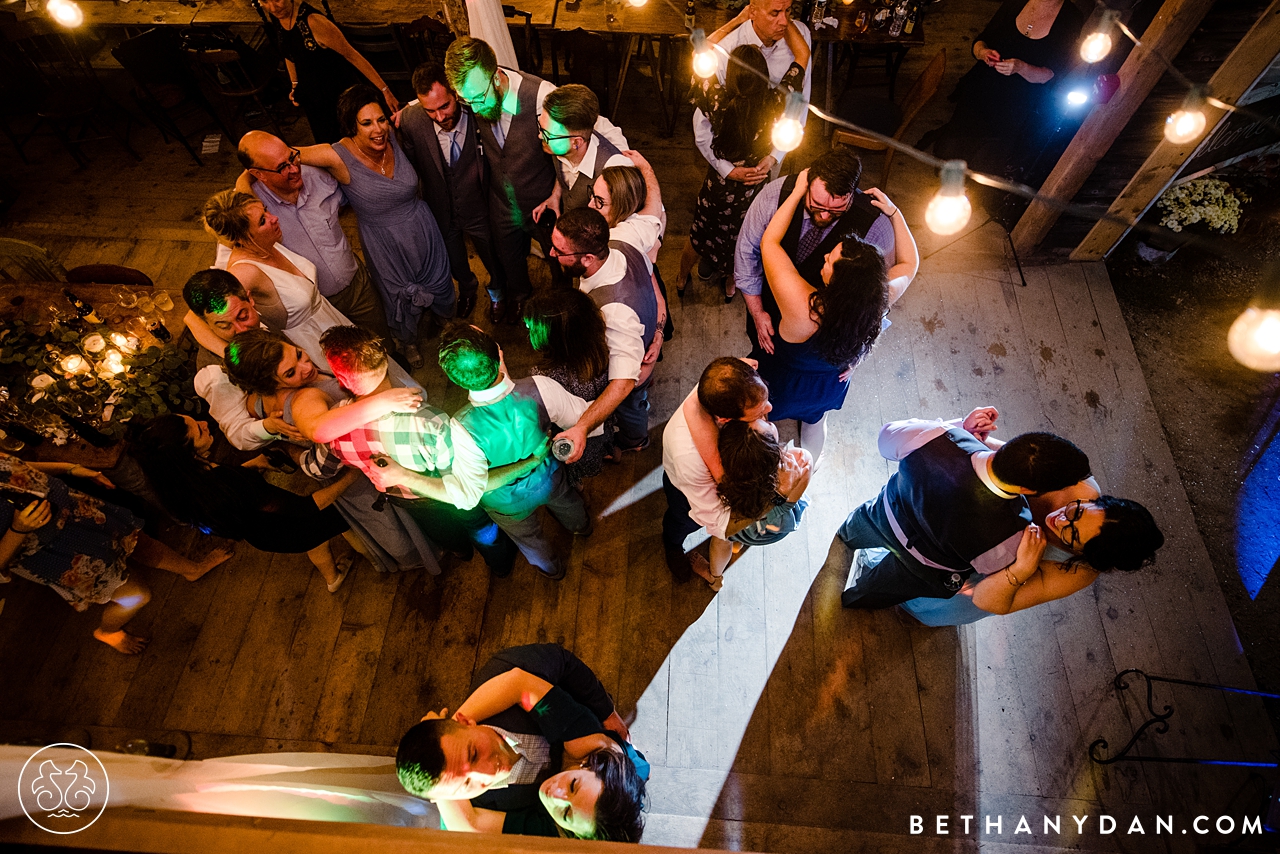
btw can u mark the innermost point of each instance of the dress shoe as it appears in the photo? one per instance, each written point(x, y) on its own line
point(497, 308)
point(515, 314)
point(560, 570)
point(466, 302)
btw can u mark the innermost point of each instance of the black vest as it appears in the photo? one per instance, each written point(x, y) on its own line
point(521, 173)
point(947, 514)
point(579, 195)
point(634, 290)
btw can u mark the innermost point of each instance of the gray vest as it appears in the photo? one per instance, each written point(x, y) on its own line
point(579, 195)
point(455, 194)
point(634, 289)
point(521, 173)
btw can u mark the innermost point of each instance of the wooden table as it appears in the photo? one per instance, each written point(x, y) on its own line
point(138, 13)
point(22, 299)
point(856, 37)
point(345, 11)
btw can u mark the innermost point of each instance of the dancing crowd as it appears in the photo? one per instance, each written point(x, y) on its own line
point(307, 347)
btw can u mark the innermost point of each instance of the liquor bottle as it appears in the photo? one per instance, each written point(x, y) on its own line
point(157, 328)
point(910, 26)
point(689, 20)
point(83, 309)
point(819, 12)
point(899, 19)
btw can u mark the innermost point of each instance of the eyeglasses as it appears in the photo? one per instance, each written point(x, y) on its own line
point(549, 137)
point(599, 202)
point(556, 253)
point(817, 209)
point(1072, 516)
point(483, 96)
point(294, 161)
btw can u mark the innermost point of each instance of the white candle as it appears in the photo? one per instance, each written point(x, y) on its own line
point(94, 343)
point(74, 364)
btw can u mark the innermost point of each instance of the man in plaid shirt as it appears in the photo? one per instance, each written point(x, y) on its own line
point(410, 456)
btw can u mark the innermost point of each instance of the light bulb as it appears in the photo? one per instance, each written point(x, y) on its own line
point(1076, 97)
point(636, 3)
point(705, 63)
point(949, 210)
point(1254, 339)
point(1095, 47)
point(787, 134)
point(65, 12)
point(1185, 125)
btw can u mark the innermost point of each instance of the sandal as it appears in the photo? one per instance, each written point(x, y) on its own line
point(343, 565)
point(702, 568)
point(414, 356)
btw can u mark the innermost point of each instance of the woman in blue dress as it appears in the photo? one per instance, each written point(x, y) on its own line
point(401, 240)
point(824, 333)
point(1078, 533)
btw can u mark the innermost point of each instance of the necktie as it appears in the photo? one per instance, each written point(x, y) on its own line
point(455, 149)
point(809, 242)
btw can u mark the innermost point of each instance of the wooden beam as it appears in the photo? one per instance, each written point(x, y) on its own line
point(1173, 25)
point(1242, 69)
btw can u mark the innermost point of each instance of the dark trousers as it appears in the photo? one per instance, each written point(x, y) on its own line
point(633, 418)
point(460, 265)
point(459, 530)
point(511, 247)
point(676, 526)
point(895, 579)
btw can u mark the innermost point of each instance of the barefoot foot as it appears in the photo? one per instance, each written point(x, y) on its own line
point(215, 557)
point(702, 568)
point(121, 641)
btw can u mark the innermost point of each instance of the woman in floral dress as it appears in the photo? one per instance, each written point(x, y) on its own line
point(60, 537)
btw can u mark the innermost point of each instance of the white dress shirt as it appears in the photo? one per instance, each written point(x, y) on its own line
point(687, 471)
point(511, 105)
point(570, 172)
point(622, 327)
point(447, 137)
point(897, 439)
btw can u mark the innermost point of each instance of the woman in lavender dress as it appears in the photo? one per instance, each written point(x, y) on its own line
point(402, 243)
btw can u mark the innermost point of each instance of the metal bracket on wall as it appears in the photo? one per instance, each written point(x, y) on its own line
point(1160, 720)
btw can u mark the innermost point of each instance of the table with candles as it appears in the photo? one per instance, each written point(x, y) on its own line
point(87, 350)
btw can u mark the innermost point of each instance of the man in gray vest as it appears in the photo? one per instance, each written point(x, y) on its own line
point(616, 277)
point(567, 123)
point(507, 422)
point(955, 506)
point(441, 138)
point(506, 104)
point(307, 201)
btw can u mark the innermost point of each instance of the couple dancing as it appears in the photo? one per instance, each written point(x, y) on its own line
point(970, 526)
point(537, 749)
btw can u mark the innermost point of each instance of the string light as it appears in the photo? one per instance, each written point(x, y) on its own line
point(636, 3)
point(1189, 122)
point(1097, 44)
point(65, 12)
point(705, 62)
point(788, 133)
point(949, 210)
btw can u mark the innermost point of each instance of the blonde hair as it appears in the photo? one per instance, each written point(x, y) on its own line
point(226, 216)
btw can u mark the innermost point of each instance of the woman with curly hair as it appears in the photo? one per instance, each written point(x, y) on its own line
point(824, 333)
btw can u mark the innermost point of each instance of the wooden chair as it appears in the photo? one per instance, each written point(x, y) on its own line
point(424, 40)
point(108, 274)
point(236, 78)
point(380, 45)
point(71, 100)
point(586, 57)
point(530, 58)
point(872, 113)
point(163, 84)
point(26, 262)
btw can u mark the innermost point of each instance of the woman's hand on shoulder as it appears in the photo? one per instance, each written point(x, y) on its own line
point(882, 203)
point(399, 400)
point(1031, 547)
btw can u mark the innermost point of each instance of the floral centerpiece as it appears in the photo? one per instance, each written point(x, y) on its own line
point(1210, 201)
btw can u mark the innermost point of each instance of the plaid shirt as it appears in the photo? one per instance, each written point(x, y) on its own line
point(420, 441)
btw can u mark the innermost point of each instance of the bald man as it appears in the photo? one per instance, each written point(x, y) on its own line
point(307, 202)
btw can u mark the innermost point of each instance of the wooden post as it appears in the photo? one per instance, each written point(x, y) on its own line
point(1247, 62)
point(1173, 25)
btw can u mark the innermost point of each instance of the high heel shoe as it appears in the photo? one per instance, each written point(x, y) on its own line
point(682, 286)
point(730, 290)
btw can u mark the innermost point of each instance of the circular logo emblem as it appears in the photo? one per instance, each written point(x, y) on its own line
point(63, 788)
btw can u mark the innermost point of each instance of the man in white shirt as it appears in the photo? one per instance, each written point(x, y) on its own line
point(767, 22)
point(568, 133)
point(729, 389)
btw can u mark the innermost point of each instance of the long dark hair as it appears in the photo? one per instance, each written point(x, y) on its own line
point(1128, 540)
point(567, 329)
point(751, 460)
point(748, 108)
point(183, 481)
point(620, 807)
point(852, 305)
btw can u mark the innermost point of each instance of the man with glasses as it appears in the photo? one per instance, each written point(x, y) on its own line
point(307, 202)
point(956, 505)
point(834, 209)
point(616, 276)
point(507, 104)
point(567, 123)
point(439, 135)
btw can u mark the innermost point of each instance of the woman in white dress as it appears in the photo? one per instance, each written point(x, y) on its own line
point(281, 282)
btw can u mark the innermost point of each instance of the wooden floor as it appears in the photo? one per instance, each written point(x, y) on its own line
point(775, 720)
